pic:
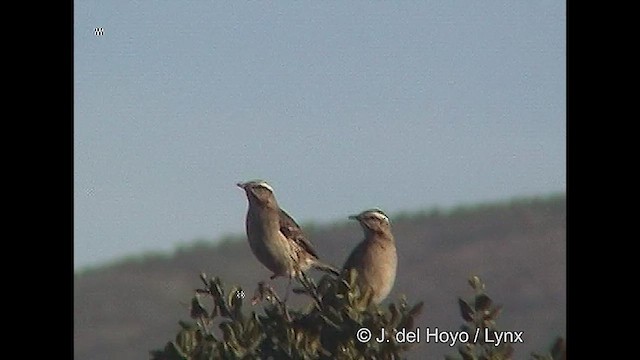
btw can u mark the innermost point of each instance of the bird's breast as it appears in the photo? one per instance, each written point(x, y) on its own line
point(268, 244)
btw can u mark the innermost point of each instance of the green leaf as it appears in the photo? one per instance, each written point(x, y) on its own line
point(483, 302)
point(215, 286)
point(186, 325)
point(395, 315)
point(466, 310)
point(235, 302)
point(325, 285)
point(173, 352)
point(476, 283)
point(214, 312)
point(493, 314)
point(197, 310)
point(416, 309)
point(185, 341)
point(231, 296)
point(228, 334)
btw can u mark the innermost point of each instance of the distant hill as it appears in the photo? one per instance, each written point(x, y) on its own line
point(517, 247)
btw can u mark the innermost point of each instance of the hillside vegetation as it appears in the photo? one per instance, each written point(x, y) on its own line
point(518, 248)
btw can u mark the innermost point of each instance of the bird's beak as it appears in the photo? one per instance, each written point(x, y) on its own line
point(353, 217)
point(241, 185)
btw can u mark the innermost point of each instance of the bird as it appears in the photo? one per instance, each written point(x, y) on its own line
point(274, 237)
point(375, 257)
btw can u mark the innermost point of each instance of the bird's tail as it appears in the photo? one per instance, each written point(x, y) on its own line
point(325, 267)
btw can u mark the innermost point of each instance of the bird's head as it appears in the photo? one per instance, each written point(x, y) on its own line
point(258, 192)
point(373, 220)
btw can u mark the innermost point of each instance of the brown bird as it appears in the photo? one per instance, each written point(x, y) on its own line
point(274, 237)
point(375, 257)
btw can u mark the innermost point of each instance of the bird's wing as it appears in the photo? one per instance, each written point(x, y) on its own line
point(291, 230)
point(355, 258)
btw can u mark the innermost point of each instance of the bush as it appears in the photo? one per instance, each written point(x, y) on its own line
point(324, 329)
point(480, 319)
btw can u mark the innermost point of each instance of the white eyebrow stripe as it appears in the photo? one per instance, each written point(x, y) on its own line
point(265, 185)
point(379, 216)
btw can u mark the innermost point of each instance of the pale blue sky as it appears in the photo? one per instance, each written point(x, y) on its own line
point(341, 106)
